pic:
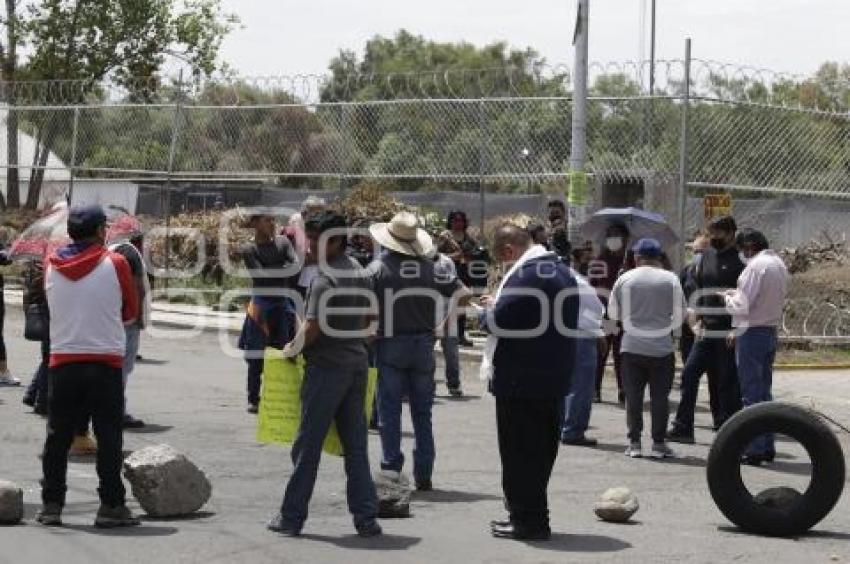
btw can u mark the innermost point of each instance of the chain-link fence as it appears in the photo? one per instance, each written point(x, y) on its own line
point(491, 141)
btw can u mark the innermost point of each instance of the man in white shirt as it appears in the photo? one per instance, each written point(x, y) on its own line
point(756, 308)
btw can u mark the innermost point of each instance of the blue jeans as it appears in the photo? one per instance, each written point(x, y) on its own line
point(452, 360)
point(754, 352)
point(406, 365)
point(327, 395)
point(578, 403)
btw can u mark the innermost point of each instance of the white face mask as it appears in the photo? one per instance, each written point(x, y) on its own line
point(744, 258)
point(614, 243)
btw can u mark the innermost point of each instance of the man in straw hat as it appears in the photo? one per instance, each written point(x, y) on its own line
point(408, 291)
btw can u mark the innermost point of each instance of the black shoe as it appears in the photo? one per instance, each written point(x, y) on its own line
point(769, 456)
point(40, 410)
point(754, 459)
point(465, 343)
point(424, 485)
point(131, 422)
point(579, 441)
point(511, 531)
point(456, 392)
point(678, 434)
point(28, 400)
point(279, 525)
point(369, 529)
point(253, 408)
point(621, 398)
point(597, 398)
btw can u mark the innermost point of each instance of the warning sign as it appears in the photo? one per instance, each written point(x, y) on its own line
point(716, 205)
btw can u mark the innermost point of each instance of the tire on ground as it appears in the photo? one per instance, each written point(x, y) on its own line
point(737, 503)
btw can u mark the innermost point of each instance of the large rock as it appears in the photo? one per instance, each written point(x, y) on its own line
point(781, 498)
point(393, 495)
point(165, 482)
point(11, 503)
point(616, 505)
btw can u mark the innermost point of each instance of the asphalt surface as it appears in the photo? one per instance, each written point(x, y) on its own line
point(191, 394)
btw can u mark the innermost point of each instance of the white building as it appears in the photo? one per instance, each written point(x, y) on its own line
point(57, 178)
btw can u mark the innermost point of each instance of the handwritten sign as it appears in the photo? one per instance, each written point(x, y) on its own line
point(280, 402)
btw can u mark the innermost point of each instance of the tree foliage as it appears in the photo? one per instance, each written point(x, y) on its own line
point(93, 40)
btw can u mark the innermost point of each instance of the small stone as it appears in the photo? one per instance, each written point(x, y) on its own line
point(165, 482)
point(11, 503)
point(393, 495)
point(616, 505)
point(781, 498)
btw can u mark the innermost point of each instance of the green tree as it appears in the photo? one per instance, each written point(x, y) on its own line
point(119, 40)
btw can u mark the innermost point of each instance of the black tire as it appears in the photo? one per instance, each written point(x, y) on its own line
point(737, 503)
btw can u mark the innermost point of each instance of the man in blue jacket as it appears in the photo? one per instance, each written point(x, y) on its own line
point(532, 321)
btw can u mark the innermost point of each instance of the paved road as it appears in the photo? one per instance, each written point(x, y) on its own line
point(192, 396)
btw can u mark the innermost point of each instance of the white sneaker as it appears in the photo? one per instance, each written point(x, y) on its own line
point(661, 451)
point(7, 379)
point(634, 450)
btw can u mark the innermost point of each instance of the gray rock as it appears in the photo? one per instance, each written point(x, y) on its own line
point(616, 505)
point(778, 498)
point(393, 495)
point(11, 503)
point(165, 482)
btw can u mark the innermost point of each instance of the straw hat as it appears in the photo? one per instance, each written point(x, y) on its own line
point(403, 235)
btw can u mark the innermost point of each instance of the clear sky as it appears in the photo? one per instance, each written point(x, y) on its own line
point(280, 37)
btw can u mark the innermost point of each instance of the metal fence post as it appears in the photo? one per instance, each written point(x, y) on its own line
point(175, 131)
point(482, 164)
point(683, 152)
point(73, 164)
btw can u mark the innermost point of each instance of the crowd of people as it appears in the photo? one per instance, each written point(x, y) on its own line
point(349, 298)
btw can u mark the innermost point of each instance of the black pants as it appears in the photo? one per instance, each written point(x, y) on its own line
point(76, 390)
point(638, 372)
point(255, 380)
point(710, 355)
point(528, 445)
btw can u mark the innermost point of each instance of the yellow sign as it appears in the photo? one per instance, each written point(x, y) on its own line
point(716, 205)
point(578, 188)
point(280, 403)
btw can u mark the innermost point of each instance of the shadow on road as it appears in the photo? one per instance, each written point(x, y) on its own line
point(193, 517)
point(830, 535)
point(150, 428)
point(580, 543)
point(796, 468)
point(152, 361)
point(453, 496)
point(141, 531)
point(383, 542)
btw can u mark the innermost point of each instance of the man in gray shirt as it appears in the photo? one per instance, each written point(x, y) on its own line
point(333, 339)
point(649, 302)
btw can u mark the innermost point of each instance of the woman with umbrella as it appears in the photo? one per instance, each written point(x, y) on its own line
point(613, 229)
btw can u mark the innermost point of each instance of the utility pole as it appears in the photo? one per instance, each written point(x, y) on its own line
point(577, 197)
